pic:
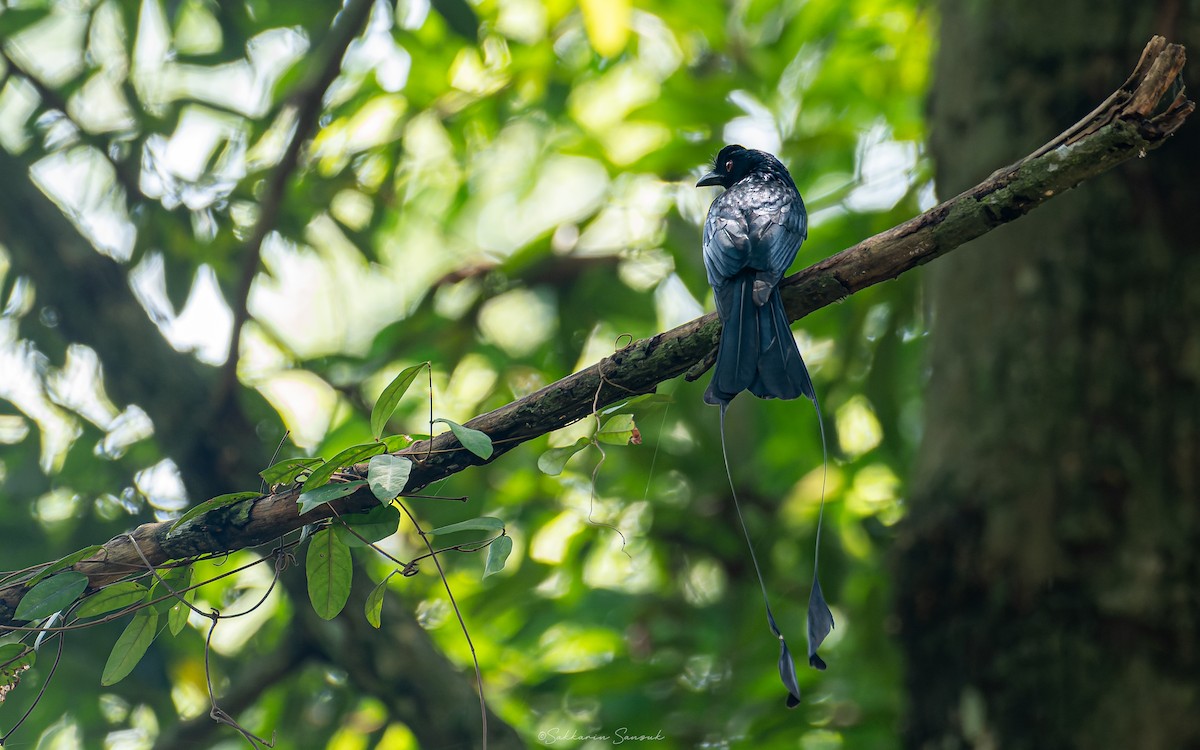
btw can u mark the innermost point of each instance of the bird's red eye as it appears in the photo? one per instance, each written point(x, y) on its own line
point(729, 166)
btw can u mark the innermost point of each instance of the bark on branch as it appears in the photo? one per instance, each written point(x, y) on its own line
point(1137, 118)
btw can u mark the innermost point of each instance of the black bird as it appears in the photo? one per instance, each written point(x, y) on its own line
point(751, 237)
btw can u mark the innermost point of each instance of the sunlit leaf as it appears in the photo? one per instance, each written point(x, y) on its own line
point(321, 495)
point(353, 455)
point(390, 398)
point(483, 523)
point(394, 443)
point(387, 475)
point(498, 552)
point(297, 75)
point(619, 430)
point(131, 646)
point(329, 570)
point(553, 461)
point(288, 470)
point(645, 401)
point(220, 501)
point(112, 598)
point(51, 595)
point(374, 605)
point(14, 20)
point(607, 24)
point(473, 440)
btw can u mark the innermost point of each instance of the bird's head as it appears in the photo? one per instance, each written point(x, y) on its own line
point(732, 164)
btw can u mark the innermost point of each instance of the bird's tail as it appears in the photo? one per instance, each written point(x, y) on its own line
point(756, 351)
point(736, 367)
point(781, 372)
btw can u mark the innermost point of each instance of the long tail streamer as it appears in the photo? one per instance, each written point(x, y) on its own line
point(820, 619)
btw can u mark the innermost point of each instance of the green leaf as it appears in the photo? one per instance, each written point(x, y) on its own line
point(473, 440)
point(14, 659)
point(177, 617)
point(111, 598)
point(15, 20)
point(620, 430)
point(483, 523)
point(297, 74)
point(131, 646)
point(498, 552)
point(174, 580)
point(321, 495)
point(387, 476)
point(220, 501)
point(329, 570)
point(553, 461)
point(171, 579)
point(646, 400)
point(10, 651)
point(51, 595)
point(376, 524)
point(394, 443)
point(374, 606)
point(288, 470)
point(66, 562)
point(390, 398)
point(607, 23)
point(352, 455)
point(460, 17)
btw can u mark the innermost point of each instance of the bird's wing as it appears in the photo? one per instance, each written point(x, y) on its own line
point(778, 226)
point(726, 241)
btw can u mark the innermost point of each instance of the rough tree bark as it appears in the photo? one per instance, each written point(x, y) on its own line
point(1048, 567)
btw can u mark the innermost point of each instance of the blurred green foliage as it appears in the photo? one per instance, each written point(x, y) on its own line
point(502, 188)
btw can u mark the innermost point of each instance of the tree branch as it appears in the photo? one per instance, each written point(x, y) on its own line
point(1134, 120)
point(307, 101)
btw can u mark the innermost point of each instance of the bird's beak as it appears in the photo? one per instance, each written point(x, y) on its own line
point(712, 178)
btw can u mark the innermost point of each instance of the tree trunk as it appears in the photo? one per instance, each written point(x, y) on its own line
point(1049, 569)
